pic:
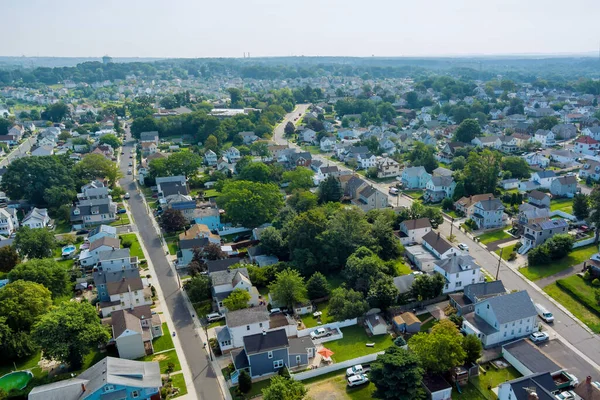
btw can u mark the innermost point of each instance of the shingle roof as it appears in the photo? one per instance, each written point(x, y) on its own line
point(261, 342)
point(512, 306)
point(536, 194)
point(491, 205)
point(567, 180)
point(247, 316)
point(298, 345)
point(105, 241)
point(531, 357)
point(546, 174)
point(404, 283)
point(193, 243)
point(484, 289)
point(437, 242)
point(227, 276)
point(124, 285)
point(113, 254)
point(420, 223)
point(457, 263)
point(129, 319)
point(543, 384)
point(442, 180)
point(414, 171)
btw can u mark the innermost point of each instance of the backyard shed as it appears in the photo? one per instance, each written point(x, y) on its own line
point(407, 322)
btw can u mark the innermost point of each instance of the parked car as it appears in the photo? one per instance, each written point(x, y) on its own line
point(567, 395)
point(319, 333)
point(122, 153)
point(357, 369)
point(130, 155)
point(214, 317)
point(130, 163)
point(82, 232)
point(127, 196)
point(394, 191)
point(239, 238)
point(463, 246)
point(129, 171)
point(544, 313)
point(121, 211)
point(538, 337)
point(356, 380)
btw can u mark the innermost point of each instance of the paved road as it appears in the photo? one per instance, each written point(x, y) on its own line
point(564, 325)
point(205, 381)
point(20, 151)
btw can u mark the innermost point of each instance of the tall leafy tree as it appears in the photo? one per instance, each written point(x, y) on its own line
point(43, 271)
point(9, 258)
point(69, 332)
point(481, 172)
point(473, 348)
point(440, 350)
point(581, 206)
point(347, 304)
point(362, 269)
point(289, 288)
point(299, 178)
point(22, 303)
point(282, 388)
point(111, 140)
point(397, 375)
point(237, 300)
point(517, 166)
point(383, 294)
point(317, 286)
point(94, 166)
point(347, 230)
point(14, 344)
point(34, 243)
point(250, 204)
point(56, 112)
point(467, 131)
point(198, 288)
point(330, 189)
point(172, 220)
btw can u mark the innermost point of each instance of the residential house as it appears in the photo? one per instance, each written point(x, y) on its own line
point(436, 244)
point(488, 213)
point(264, 353)
point(133, 330)
point(473, 294)
point(537, 233)
point(36, 218)
point(542, 385)
point(376, 324)
point(95, 211)
point(508, 184)
point(187, 247)
point(149, 148)
point(225, 282)
point(210, 157)
point(126, 294)
point(248, 137)
point(113, 266)
point(530, 214)
point(459, 271)
point(543, 178)
point(503, 318)
point(9, 221)
point(89, 257)
point(349, 134)
point(366, 160)
point(413, 230)
point(544, 137)
point(44, 150)
point(301, 350)
point(564, 156)
point(149, 137)
point(441, 171)
point(592, 131)
point(209, 216)
point(564, 186)
point(466, 205)
point(564, 131)
point(526, 357)
point(109, 378)
point(404, 284)
point(232, 154)
point(487, 141)
point(590, 169)
point(327, 143)
point(100, 232)
point(301, 159)
point(537, 160)
point(438, 188)
point(184, 203)
point(308, 136)
point(588, 390)
point(521, 139)
point(415, 178)
point(538, 199)
point(365, 196)
point(171, 185)
point(241, 323)
point(17, 132)
point(406, 322)
point(586, 145)
point(387, 167)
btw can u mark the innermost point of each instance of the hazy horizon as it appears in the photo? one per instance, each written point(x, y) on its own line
point(270, 28)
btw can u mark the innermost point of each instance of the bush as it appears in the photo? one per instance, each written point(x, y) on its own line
point(447, 204)
point(512, 256)
point(518, 246)
point(399, 341)
point(596, 282)
point(127, 243)
point(587, 276)
point(245, 382)
point(539, 255)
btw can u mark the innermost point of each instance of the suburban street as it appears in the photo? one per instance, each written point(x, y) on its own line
point(204, 378)
point(566, 328)
point(19, 151)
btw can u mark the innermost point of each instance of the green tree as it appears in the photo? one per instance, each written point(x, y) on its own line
point(244, 381)
point(237, 300)
point(423, 155)
point(427, 287)
point(289, 129)
point(302, 200)
point(94, 166)
point(517, 166)
point(272, 242)
point(303, 233)
point(539, 255)
point(172, 220)
point(559, 245)
point(330, 189)
point(198, 288)
point(546, 123)
point(289, 288)
point(144, 124)
point(184, 163)
point(284, 389)
point(43, 271)
point(473, 348)
point(56, 112)
point(111, 140)
point(347, 304)
point(362, 269)
point(317, 286)
point(299, 178)
point(34, 243)
point(383, 294)
point(57, 196)
point(481, 172)
point(69, 332)
point(211, 143)
point(386, 244)
point(458, 163)
point(9, 258)
point(594, 217)
point(22, 303)
point(440, 350)
point(397, 375)
point(14, 345)
point(250, 204)
point(581, 206)
point(468, 130)
point(255, 172)
point(212, 251)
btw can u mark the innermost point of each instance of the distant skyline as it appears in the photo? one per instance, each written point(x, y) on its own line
point(267, 28)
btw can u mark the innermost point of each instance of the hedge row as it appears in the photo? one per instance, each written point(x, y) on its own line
point(586, 297)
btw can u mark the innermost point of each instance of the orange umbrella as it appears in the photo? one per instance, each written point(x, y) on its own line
point(325, 352)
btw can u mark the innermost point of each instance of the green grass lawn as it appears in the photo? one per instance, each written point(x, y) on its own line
point(337, 381)
point(493, 377)
point(123, 220)
point(353, 344)
point(178, 381)
point(582, 290)
point(401, 268)
point(165, 342)
point(311, 322)
point(255, 391)
point(565, 205)
point(452, 213)
point(506, 252)
point(163, 360)
point(493, 236)
point(220, 322)
point(415, 194)
point(574, 306)
point(136, 249)
point(208, 193)
point(173, 245)
point(62, 227)
point(577, 256)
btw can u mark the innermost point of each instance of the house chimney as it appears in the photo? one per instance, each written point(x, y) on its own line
point(83, 387)
point(532, 396)
point(490, 198)
point(588, 380)
point(264, 332)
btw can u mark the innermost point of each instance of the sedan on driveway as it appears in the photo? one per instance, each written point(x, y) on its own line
point(463, 247)
point(539, 337)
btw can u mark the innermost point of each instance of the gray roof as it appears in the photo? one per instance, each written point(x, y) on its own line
point(103, 206)
point(247, 316)
point(103, 228)
point(531, 357)
point(113, 254)
point(480, 324)
point(437, 242)
point(442, 180)
point(193, 243)
point(124, 285)
point(261, 342)
point(491, 205)
point(484, 289)
point(111, 370)
point(240, 359)
point(546, 174)
point(543, 383)
point(567, 180)
point(129, 319)
point(420, 223)
point(368, 191)
point(222, 333)
point(441, 171)
point(171, 188)
point(227, 276)
point(536, 194)
point(221, 265)
point(148, 135)
point(298, 345)
point(101, 277)
point(404, 283)
point(458, 263)
point(512, 306)
point(414, 171)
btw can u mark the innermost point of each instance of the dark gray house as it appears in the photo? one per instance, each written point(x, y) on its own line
point(263, 353)
point(301, 350)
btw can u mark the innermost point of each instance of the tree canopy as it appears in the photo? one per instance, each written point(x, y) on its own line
point(282, 388)
point(22, 303)
point(237, 300)
point(250, 204)
point(34, 243)
point(468, 130)
point(43, 271)
point(440, 350)
point(397, 375)
point(288, 289)
point(347, 304)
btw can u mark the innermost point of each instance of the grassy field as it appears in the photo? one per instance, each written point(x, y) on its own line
point(575, 257)
point(178, 381)
point(335, 382)
point(401, 268)
point(493, 377)
point(574, 306)
point(353, 344)
point(136, 249)
point(165, 342)
point(582, 290)
point(173, 247)
point(565, 205)
point(208, 193)
point(506, 252)
point(493, 236)
point(164, 359)
point(311, 322)
point(62, 227)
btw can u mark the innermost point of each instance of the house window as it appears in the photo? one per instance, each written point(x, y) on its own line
point(277, 364)
point(226, 343)
point(488, 306)
point(260, 324)
point(270, 355)
point(459, 283)
point(504, 334)
point(109, 388)
point(135, 394)
point(247, 327)
point(457, 275)
point(298, 359)
point(473, 272)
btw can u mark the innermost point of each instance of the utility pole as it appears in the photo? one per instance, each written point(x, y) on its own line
point(499, 261)
point(207, 344)
point(451, 226)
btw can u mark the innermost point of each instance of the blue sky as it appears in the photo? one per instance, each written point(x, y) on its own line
point(228, 28)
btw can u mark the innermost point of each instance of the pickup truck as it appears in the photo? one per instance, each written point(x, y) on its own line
point(355, 370)
point(320, 333)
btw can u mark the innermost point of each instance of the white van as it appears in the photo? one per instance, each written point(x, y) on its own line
point(544, 314)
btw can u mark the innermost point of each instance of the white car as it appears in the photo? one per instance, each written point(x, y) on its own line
point(355, 370)
point(463, 247)
point(214, 317)
point(319, 333)
point(538, 337)
point(356, 380)
point(567, 395)
point(127, 196)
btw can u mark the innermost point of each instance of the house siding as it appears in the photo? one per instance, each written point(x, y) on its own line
point(261, 364)
point(131, 346)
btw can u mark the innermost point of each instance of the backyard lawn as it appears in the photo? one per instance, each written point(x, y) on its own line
point(173, 246)
point(165, 342)
point(333, 385)
point(256, 390)
point(178, 381)
point(577, 256)
point(506, 252)
point(136, 249)
point(30, 363)
point(493, 377)
point(565, 205)
point(311, 322)
point(401, 268)
point(353, 344)
point(415, 194)
point(574, 306)
point(493, 236)
point(208, 193)
point(163, 360)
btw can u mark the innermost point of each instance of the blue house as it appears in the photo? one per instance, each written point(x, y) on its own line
point(208, 216)
point(415, 178)
point(111, 378)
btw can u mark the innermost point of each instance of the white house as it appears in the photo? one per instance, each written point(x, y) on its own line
point(8, 221)
point(502, 318)
point(564, 156)
point(133, 330)
point(100, 232)
point(440, 247)
point(459, 271)
point(366, 160)
point(488, 213)
point(89, 257)
point(487, 141)
point(210, 157)
point(592, 131)
point(36, 218)
point(413, 230)
point(537, 159)
point(438, 188)
point(225, 282)
point(125, 294)
point(586, 145)
point(591, 168)
point(308, 136)
point(240, 323)
point(543, 178)
point(546, 138)
point(327, 143)
point(233, 154)
point(545, 387)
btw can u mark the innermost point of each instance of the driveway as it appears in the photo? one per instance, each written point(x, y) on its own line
point(204, 378)
point(549, 280)
point(572, 363)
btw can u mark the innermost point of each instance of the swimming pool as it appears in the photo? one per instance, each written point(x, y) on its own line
point(68, 250)
point(15, 380)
